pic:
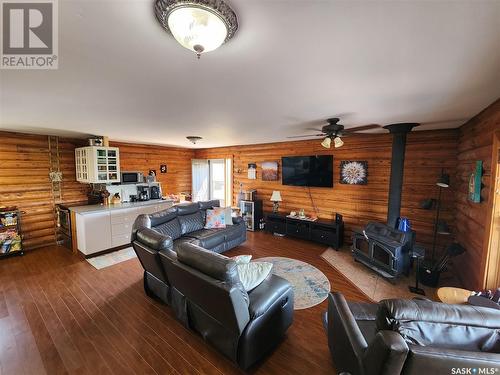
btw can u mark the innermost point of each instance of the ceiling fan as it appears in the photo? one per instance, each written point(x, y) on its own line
point(335, 131)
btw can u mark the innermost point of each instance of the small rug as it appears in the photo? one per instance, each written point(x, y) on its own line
point(369, 282)
point(310, 285)
point(110, 259)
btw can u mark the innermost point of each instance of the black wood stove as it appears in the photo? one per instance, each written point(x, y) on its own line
point(380, 246)
point(383, 249)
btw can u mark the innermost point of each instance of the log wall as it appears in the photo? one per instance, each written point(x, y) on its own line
point(475, 143)
point(427, 152)
point(25, 161)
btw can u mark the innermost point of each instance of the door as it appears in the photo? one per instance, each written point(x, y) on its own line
point(217, 180)
point(492, 271)
point(212, 179)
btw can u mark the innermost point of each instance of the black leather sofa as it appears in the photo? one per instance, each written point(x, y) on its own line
point(182, 267)
point(168, 229)
point(208, 297)
point(411, 337)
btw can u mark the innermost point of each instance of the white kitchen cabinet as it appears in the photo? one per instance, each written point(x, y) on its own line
point(106, 228)
point(93, 232)
point(96, 164)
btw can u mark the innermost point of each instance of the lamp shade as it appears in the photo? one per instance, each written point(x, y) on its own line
point(443, 180)
point(276, 196)
point(338, 142)
point(326, 142)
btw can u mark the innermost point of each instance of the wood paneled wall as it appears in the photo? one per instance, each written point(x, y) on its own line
point(427, 152)
point(24, 182)
point(136, 157)
point(475, 143)
point(24, 177)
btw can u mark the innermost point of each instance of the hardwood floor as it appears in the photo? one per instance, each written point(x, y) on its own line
point(59, 315)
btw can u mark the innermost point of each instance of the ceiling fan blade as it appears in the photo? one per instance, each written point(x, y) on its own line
point(315, 129)
point(362, 128)
point(307, 135)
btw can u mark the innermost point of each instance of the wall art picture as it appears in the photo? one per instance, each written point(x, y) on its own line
point(353, 172)
point(269, 171)
point(163, 168)
point(475, 183)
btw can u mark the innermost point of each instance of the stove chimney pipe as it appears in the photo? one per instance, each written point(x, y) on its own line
point(399, 132)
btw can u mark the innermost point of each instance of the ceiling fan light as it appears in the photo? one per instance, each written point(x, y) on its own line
point(338, 142)
point(326, 142)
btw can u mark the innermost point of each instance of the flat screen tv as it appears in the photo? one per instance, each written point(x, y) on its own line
point(316, 170)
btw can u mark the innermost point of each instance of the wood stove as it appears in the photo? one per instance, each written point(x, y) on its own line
point(383, 249)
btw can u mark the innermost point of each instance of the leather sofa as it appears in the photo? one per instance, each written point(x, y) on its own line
point(168, 229)
point(411, 337)
point(209, 298)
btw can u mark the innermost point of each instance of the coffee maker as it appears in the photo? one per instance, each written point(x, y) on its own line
point(143, 193)
point(154, 192)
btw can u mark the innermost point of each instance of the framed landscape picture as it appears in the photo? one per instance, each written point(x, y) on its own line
point(353, 172)
point(269, 171)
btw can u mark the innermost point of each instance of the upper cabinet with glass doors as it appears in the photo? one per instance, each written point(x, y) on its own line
point(97, 165)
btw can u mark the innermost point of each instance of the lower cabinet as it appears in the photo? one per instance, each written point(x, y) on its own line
point(102, 230)
point(327, 232)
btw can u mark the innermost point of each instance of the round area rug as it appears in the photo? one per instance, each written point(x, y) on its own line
point(310, 285)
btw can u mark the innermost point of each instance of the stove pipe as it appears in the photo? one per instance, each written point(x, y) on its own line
point(399, 132)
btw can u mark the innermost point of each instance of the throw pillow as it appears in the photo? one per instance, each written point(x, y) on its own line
point(227, 214)
point(242, 259)
point(215, 218)
point(253, 274)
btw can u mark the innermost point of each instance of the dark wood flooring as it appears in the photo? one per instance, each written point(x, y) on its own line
point(59, 315)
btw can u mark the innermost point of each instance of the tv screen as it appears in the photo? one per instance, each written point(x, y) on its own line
point(314, 171)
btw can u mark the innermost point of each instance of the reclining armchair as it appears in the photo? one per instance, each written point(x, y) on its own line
point(411, 337)
point(209, 298)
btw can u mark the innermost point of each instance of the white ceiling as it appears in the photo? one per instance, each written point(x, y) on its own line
point(291, 64)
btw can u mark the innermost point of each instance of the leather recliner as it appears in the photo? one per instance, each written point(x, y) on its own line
point(164, 231)
point(210, 299)
point(411, 337)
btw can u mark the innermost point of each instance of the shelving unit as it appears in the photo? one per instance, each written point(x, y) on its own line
point(251, 211)
point(10, 232)
point(95, 164)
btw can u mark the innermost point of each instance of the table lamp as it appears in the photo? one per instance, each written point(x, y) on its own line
point(275, 198)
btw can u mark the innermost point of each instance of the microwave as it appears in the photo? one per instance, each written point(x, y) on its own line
point(132, 178)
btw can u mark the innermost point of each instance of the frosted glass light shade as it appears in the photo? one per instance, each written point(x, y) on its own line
point(326, 142)
point(338, 142)
point(195, 27)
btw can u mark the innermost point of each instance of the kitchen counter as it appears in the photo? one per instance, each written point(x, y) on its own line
point(100, 228)
point(94, 208)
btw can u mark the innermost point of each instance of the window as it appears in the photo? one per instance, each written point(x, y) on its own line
point(212, 179)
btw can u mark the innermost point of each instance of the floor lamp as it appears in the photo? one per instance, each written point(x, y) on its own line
point(440, 226)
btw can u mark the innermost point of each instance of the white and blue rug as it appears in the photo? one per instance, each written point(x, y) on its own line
point(310, 285)
point(110, 259)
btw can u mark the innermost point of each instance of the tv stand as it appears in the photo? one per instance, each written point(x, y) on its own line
point(327, 232)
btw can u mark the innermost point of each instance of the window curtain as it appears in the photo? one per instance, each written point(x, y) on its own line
point(200, 173)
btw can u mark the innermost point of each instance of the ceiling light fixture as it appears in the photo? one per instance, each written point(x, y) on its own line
point(194, 138)
point(198, 25)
